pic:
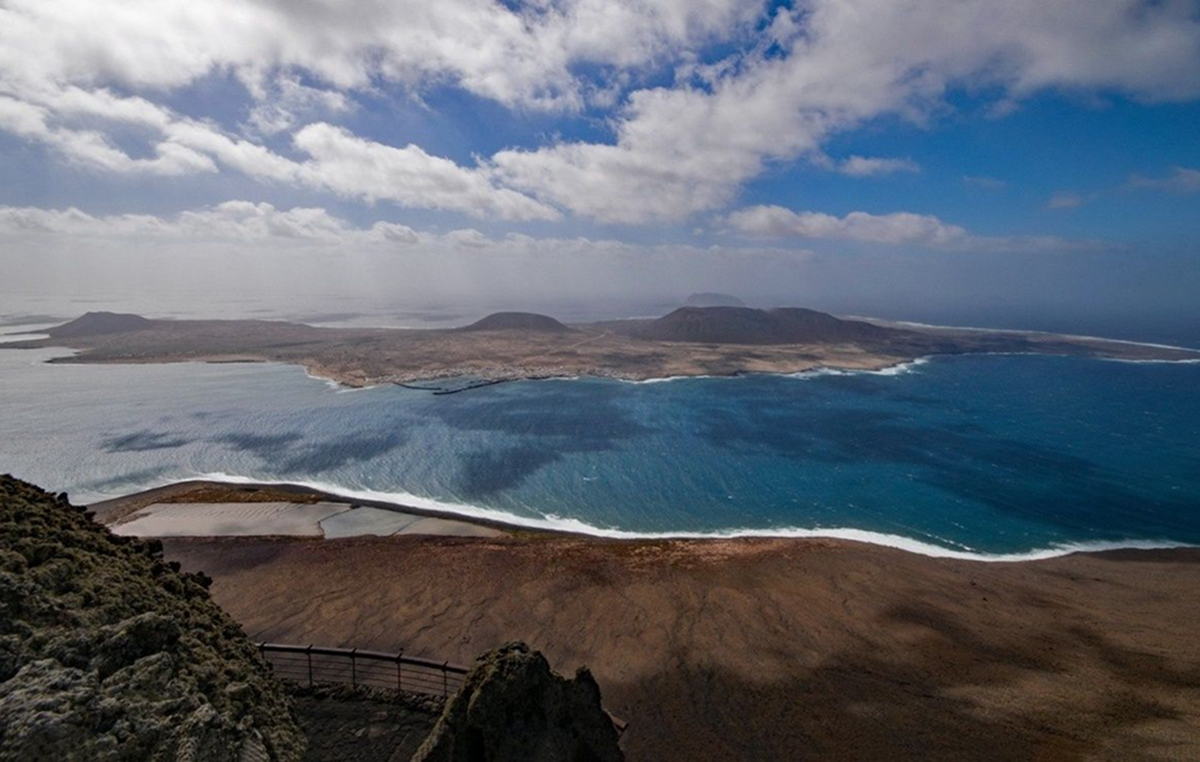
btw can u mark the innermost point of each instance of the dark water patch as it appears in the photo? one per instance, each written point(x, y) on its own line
point(138, 477)
point(560, 419)
point(317, 457)
point(266, 446)
point(490, 471)
point(579, 411)
point(143, 441)
point(297, 453)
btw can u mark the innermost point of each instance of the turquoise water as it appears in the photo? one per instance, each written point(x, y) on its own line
point(980, 456)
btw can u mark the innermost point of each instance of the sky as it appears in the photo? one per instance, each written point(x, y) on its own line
point(908, 158)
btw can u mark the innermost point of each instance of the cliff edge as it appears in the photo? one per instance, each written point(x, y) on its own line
point(109, 653)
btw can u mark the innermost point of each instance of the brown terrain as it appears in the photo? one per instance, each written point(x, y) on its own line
point(505, 346)
point(771, 649)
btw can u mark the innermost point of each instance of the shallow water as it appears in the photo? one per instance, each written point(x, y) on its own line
point(958, 455)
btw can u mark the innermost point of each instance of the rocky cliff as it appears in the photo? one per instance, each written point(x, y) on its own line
point(109, 653)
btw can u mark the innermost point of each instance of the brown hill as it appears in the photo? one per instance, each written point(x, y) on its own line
point(100, 323)
point(517, 321)
point(743, 325)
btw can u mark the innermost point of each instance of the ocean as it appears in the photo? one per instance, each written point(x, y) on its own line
point(990, 457)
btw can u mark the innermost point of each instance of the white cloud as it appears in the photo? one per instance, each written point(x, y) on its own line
point(1180, 180)
point(339, 162)
point(251, 227)
point(72, 75)
point(865, 166)
point(984, 182)
point(1065, 200)
point(683, 150)
point(520, 57)
point(468, 238)
point(897, 228)
point(232, 221)
point(357, 168)
point(286, 101)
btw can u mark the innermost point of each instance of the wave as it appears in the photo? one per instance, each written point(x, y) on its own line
point(898, 369)
point(553, 523)
point(665, 379)
point(336, 386)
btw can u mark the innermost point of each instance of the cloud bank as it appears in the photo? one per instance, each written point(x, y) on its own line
point(699, 98)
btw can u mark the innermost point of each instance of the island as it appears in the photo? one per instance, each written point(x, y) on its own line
point(690, 341)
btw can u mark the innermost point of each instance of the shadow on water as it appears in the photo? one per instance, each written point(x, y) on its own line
point(556, 420)
point(294, 453)
point(142, 476)
point(143, 441)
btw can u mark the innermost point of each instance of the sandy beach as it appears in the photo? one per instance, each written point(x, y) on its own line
point(760, 648)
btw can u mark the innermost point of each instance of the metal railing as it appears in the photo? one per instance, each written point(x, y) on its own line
point(352, 666)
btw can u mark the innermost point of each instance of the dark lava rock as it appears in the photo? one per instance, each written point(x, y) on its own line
point(517, 321)
point(744, 325)
point(101, 323)
point(107, 653)
point(513, 707)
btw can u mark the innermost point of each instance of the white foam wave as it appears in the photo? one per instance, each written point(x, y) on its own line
point(892, 370)
point(898, 369)
point(553, 523)
point(335, 386)
point(1151, 362)
point(665, 379)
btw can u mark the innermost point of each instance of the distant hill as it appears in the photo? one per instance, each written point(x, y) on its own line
point(743, 325)
point(100, 323)
point(709, 299)
point(517, 321)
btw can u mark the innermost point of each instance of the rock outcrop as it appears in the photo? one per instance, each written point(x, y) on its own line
point(512, 707)
point(109, 653)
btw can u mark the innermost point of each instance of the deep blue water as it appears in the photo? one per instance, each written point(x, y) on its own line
point(987, 455)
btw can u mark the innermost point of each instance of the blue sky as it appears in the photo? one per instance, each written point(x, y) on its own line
point(1032, 139)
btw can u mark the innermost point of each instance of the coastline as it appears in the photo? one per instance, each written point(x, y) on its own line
point(509, 351)
point(116, 509)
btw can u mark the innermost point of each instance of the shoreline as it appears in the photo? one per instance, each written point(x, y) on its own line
point(357, 358)
point(515, 526)
point(492, 377)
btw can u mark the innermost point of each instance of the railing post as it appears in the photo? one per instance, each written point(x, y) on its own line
point(310, 672)
point(353, 668)
point(399, 660)
point(445, 680)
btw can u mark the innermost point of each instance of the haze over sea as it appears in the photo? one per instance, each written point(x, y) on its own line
point(992, 456)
